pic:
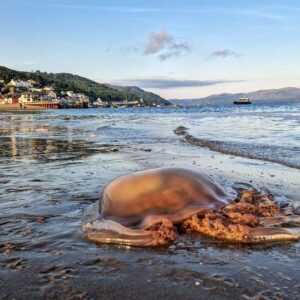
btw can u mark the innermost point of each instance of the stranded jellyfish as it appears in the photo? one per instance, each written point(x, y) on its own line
point(152, 207)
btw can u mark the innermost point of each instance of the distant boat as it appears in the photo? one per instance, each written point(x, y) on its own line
point(243, 100)
point(176, 106)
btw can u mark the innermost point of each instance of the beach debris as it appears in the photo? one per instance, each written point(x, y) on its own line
point(296, 207)
point(146, 149)
point(180, 130)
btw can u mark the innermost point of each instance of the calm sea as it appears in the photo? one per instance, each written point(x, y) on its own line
point(265, 132)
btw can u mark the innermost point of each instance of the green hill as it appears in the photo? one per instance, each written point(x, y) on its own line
point(148, 97)
point(65, 81)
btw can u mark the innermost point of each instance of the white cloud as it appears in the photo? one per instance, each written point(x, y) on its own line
point(164, 44)
point(223, 53)
point(168, 83)
point(158, 41)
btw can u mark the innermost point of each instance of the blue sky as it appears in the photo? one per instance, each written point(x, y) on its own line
point(179, 49)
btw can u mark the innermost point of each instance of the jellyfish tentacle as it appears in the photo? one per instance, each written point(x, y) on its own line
point(292, 220)
point(273, 234)
point(111, 232)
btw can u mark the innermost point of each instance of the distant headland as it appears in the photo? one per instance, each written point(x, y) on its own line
point(272, 96)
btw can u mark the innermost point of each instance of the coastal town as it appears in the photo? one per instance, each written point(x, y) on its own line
point(21, 94)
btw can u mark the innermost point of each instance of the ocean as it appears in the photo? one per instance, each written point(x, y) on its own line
point(270, 132)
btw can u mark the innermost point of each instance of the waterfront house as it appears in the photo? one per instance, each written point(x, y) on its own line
point(27, 98)
point(10, 99)
point(32, 82)
point(48, 89)
point(15, 99)
point(2, 100)
point(70, 94)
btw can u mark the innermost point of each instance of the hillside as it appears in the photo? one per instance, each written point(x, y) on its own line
point(65, 81)
point(283, 95)
point(148, 97)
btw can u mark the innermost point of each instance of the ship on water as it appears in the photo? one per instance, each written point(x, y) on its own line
point(243, 100)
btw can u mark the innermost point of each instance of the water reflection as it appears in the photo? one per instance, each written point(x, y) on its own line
point(48, 149)
point(42, 138)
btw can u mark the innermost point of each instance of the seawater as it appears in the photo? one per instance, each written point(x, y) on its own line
point(270, 132)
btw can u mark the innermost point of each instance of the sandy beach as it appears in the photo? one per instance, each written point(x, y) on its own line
point(17, 107)
point(52, 168)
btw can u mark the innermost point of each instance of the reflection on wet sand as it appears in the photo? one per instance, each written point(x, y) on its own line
point(48, 149)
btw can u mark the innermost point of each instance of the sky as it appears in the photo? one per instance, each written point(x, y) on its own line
point(175, 48)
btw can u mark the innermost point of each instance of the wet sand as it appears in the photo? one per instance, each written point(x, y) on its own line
point(12, 107)
point(46, 187)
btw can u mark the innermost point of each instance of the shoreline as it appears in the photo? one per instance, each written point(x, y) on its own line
point(236, 149)
point(16, 107)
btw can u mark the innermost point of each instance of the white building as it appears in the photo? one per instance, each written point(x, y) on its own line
point(48, 89)
point(26, 98)
point(20, 84)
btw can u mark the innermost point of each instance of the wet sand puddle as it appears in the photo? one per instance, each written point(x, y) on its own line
point(48, 180)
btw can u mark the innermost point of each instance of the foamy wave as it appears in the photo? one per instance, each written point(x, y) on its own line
point(279, 154)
